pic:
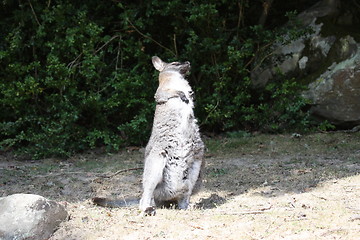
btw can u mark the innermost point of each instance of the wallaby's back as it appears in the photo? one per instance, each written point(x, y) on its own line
point(174, 154)
point(173, 163)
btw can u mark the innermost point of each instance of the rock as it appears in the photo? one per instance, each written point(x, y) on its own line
point(320, 9)
point(30, 217)
point(290, 59)
point(336, 93)
point(327, 59)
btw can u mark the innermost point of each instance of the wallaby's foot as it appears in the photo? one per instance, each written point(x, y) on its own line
point(150, 211)
point(146, 206)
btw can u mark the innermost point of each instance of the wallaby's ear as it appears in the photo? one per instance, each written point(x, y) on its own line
point(158, 63)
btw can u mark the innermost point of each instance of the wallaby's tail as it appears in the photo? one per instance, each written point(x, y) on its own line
point(115, 203)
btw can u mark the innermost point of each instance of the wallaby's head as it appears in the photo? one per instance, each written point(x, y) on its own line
point(181, 67)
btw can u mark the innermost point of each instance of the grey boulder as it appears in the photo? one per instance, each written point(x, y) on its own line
point(29, 216)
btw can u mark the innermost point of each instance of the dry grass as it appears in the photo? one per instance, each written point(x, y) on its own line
point(260, 187)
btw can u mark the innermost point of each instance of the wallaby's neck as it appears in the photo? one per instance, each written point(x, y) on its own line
point(169, 76)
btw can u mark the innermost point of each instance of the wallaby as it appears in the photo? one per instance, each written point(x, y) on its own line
point(173, 163)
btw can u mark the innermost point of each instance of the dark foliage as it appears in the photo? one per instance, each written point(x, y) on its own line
point(76, 75)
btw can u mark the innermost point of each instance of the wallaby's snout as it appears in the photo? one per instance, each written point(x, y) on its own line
point(185, 68)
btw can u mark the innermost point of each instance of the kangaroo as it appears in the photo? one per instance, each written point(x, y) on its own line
point(173, 163)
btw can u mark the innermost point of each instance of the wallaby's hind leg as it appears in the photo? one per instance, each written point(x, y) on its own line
point(183, 203)
point(197, 169)
point(153, 174)
point(193, 174)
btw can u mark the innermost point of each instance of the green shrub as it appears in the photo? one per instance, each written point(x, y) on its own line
point(284, 108)
point(76, 75)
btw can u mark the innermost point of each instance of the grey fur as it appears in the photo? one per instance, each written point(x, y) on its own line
point(174, 153)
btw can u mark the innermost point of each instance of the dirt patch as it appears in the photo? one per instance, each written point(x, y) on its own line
point(259, 187)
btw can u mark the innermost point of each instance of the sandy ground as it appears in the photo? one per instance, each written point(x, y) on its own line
point(259, 187)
